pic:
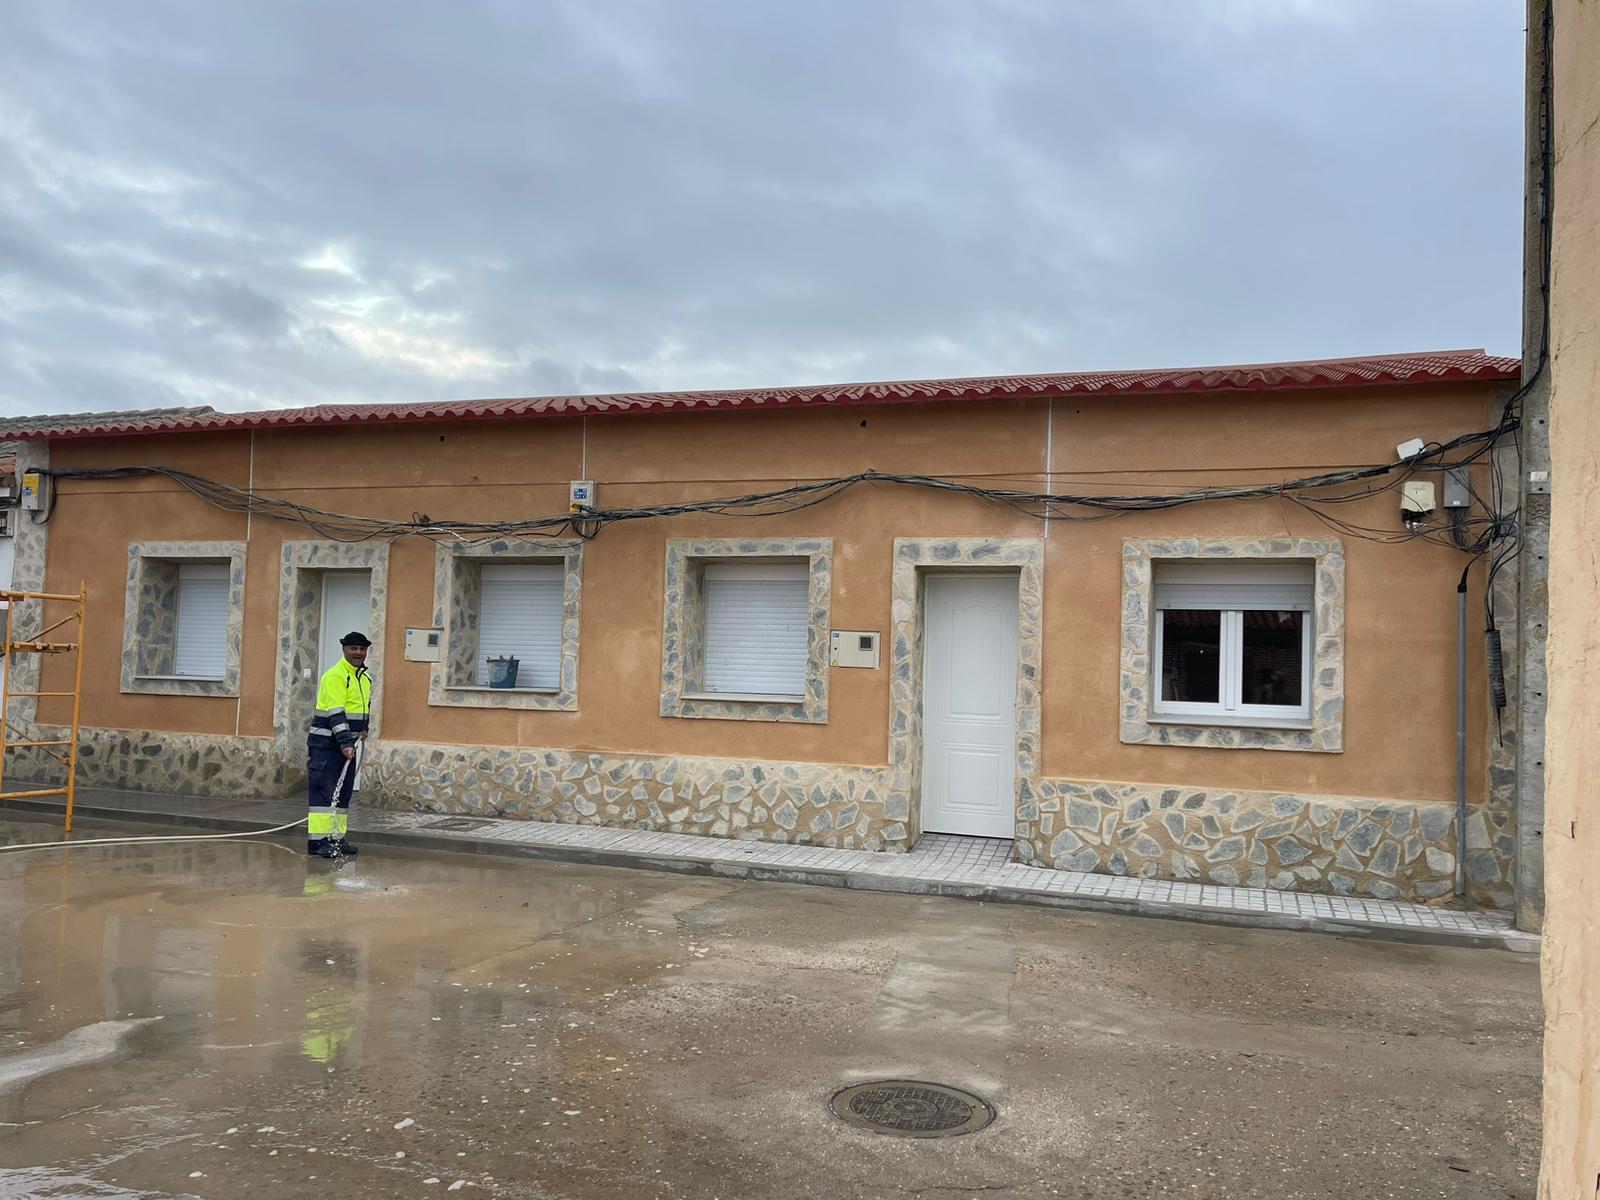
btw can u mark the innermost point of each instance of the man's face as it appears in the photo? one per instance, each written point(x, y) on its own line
point(356, 656)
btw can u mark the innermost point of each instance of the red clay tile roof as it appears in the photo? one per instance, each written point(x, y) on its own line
point(1440, 366)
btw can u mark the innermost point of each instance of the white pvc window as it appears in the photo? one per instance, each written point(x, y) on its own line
point(1233, 640)
point(756, 629)
point(200, 638)
point(520, 609)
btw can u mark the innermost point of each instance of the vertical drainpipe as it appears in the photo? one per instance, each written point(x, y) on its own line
point(1461, 733)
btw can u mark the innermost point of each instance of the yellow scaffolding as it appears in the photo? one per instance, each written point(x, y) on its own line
point(37, 645)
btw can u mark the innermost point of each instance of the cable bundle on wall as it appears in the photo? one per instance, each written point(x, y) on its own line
point(1320, 495)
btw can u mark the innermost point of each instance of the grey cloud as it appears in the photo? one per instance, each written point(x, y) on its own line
point(303, 203)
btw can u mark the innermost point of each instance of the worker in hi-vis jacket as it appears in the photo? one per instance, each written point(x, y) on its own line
point(334, 747)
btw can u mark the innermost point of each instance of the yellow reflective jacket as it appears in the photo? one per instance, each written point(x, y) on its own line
point(344, 698)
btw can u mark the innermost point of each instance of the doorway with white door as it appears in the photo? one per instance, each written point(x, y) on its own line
point(326, 590)
point(346, 608)
point(969, 703)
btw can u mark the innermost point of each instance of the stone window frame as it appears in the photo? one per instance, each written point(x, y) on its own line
point(1323, 733)
point(914, 560)
point(300, 627)
point(452, 603)
point(681, 631)
point(151, 591)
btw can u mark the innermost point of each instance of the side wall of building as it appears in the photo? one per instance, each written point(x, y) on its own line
point(1571, 956)
point(1363, 805)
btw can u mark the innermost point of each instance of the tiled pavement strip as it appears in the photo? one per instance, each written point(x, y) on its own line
point(972, 868)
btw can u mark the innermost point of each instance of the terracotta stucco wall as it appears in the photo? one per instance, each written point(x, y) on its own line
point(1571, 959)
point(1401, 614)
point(88, 541)
point(1400, 660)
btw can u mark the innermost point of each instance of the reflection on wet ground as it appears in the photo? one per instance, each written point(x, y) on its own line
point(212, 1019)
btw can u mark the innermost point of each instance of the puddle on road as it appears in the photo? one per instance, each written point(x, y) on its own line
point(207, 1019)
point(553, 1029)
point(87, 1044)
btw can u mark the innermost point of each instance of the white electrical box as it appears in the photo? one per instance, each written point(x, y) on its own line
point(32, 495)
point(852, 648)
point(580, 494)
point(1410, 449)
point(425, 645)
point(8, 522)
point(1416, 496)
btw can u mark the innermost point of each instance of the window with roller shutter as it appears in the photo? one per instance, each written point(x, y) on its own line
point(745, 629)
point(200, 634)
point(1233, 639)
point(756, 629)
point(519, 616)
point(183, 618)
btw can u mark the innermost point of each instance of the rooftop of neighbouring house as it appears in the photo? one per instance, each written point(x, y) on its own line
point(1430, 367)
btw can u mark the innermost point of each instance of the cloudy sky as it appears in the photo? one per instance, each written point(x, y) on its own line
point(284, 202)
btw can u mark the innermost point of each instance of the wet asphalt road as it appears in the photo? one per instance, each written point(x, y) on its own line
point(230, 1019)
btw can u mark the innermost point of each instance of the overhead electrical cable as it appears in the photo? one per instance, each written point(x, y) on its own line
point(1319, 494)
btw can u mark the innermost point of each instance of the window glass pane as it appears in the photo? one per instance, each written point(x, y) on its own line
point(1191, 655)
point(1272, 658)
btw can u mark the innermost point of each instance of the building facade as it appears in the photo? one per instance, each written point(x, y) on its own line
point(1256, 690)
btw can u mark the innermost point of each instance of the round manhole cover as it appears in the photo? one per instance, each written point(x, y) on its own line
point(912, 1108)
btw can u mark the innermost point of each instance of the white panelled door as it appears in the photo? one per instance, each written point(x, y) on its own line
point(346, 608)
point(969, 705)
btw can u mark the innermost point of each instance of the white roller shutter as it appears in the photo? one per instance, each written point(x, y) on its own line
point(519, 615)
point(201, 636)
point(1275, 584)
point(756, 628)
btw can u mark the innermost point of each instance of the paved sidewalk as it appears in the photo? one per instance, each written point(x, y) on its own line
point(973, 868)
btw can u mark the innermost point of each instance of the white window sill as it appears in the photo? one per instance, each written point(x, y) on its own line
point(1230, 721)
point(181, 678)
point(743, 697)
point(510, 691)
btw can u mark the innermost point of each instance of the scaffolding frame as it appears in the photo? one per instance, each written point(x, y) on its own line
point(37, 645)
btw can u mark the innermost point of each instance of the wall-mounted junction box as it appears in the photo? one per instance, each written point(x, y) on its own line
point(1456, 492)
point(580, 494)
point(32, 494)
point(425, 645)
point(853, 648)
point(1416, 498)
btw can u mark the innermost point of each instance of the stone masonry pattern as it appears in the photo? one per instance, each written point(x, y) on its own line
point(912, 558)
point(149, 636)
point(27, 575)
point(1338, 844)
point(1326, 733)
point(814, 804)
point(681, 628)
point(300, 628)
point(455, 609)
point(1348, 846)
